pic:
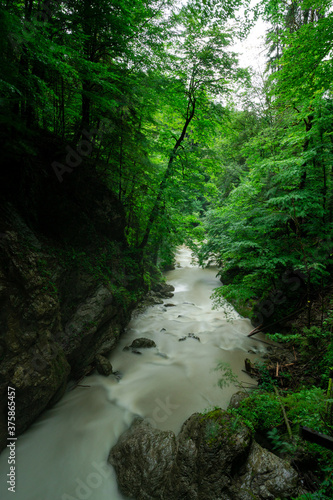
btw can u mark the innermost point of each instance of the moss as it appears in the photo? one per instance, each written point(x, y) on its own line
point(219, 423)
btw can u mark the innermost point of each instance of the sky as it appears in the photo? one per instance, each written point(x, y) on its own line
point(252, 50)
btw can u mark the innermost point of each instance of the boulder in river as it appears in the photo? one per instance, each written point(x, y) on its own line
point(213, 458)
point(192, 336)
point(189, 336)
point(163, 290)
point(142, 342)
point(237, 398)
point(103, 365)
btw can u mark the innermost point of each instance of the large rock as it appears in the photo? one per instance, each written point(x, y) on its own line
point(237, 398)
point(103, 365)
point(164, 290)
point(142, 342)
point(143, 459)
point(213, 458)
point(265, 476)
point(94, 327)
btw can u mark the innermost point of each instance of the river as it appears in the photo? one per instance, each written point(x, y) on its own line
point(63, 456)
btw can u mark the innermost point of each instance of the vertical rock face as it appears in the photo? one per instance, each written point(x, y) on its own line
point(31, 362)
point(213, 458)
point(57, 312)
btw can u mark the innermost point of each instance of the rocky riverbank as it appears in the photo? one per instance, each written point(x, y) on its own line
point(214, 457)
point(68, 284)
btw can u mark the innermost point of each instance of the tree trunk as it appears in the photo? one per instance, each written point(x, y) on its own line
point(157, 208)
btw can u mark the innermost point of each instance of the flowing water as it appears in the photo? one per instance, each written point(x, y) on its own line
point(63, 456)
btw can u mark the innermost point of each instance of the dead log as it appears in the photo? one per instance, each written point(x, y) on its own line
point(261, 327)
point(290, 434)
point(249, 367)
point(316, 437)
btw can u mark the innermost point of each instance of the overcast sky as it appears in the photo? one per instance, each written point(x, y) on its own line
point(252, 50)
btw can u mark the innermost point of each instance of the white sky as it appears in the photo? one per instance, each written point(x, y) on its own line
point(252, 50)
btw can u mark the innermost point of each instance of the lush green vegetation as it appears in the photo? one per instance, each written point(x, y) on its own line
point(143, 94)
point(274, 213)
point(132, 89)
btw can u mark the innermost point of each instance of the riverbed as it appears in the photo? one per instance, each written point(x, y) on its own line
point(63, 456)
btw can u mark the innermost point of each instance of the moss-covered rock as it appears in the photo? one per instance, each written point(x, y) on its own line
point(213, 458)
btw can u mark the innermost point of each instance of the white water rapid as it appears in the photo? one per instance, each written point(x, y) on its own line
point(63, 456)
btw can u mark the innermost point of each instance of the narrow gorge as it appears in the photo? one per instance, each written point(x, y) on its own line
point(166, 190)
point(164, 381)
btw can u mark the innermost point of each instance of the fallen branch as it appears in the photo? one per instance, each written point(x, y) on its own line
point(290, 434)
point(260, 327)
point(268, 343)
point(316, 437)
point(254, 331)
point(278, 367)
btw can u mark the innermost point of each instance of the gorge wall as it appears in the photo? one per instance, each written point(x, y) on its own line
point(68, 280)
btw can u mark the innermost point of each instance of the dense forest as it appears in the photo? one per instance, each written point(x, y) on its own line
point(145, 100)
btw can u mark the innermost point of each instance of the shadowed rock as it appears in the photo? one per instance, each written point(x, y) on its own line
point(213, 458)
point(103, 365)
point(142, 343)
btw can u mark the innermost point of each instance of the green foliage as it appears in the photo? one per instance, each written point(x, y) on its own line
point(326, 488)
point(306, 407)
point(313, 343)
point(149, 69)
point(275, 208)
point(278, 444)
point(261, 410)
point(266, 381)
point(228, 376)
point(111, 265)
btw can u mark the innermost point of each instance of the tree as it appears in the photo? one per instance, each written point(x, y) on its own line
point(203, 69)
point(278, 214)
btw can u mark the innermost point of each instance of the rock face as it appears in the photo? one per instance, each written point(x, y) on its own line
point(158, 292)
point(213, 458)
point(56, 313)
point(237, 398)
